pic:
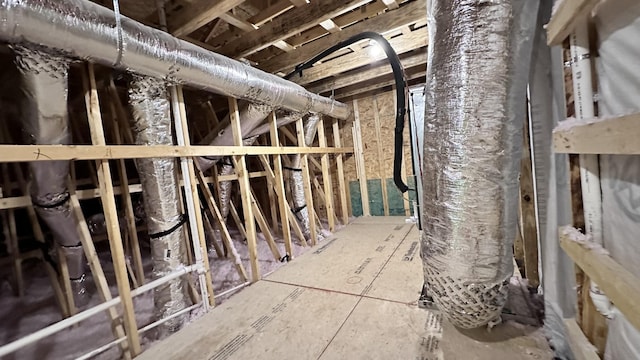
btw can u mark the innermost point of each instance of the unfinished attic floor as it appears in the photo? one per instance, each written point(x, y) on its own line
point(353, 296)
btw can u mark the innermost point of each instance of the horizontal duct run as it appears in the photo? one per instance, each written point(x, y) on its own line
point(82, 29)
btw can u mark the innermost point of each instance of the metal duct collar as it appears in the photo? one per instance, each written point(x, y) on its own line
point(86, 30)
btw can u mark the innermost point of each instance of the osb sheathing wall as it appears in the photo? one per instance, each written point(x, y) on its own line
point(377, 142)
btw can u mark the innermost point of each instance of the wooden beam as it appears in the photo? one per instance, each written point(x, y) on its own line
point(342, 192)
point(264, 228)
point(344, 20)
point(197, 14)
point(240, 164)
point(565, 18)
point(359, 157)
point(580, 346)
point(26, 153)
point(280, 28)
point(389, 21)
point(375, 84)
point(278, 183)
point(344, 80)
point(391, 4)
point(528, 210)
point(326, 178)
point(400, 44)
point(620, 285)
point(616, 135)
point(111, 218)
point(249, 27)
point(381, 164)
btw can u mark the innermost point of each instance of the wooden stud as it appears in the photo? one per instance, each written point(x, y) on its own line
point(381, 164)
point(306, 180)
point(245, 191)
point(580, 346)
point(111, 217)
point(196, 200)
point(565, 18)
point(326, 177)
point(359, 157)
point(342, 194)
point(278, 183)
point(208, 228)
point(264, 228)
point(615, 135)
point(528, 210)
point(125, 194)
point(236, 218)
point(224, 232)
point(11, 236)
point(322, 196)
point(620, 285)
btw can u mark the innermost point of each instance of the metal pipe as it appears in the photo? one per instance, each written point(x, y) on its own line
point(83, 29)
point(478, 66)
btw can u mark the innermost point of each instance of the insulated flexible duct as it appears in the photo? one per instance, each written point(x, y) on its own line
point(251, 115)
point(472, 149)
point(152, 125)
point(297, 185)
point(89, 31)
point(44, 89)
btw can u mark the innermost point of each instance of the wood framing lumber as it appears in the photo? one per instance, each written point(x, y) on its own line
point(615, 135)
point(110, 215)
point(565, 18)
point(342, 192)
point(388, 21)
point(26, 153)
point(528, 211)
point(401, 44)
point(240, 164)
point(326, 178)
point(198, 14)
point(620, 286)
point(580, 346)
point(359, 158)
point(381, 163)
point(383, 69)
point(278, 183)
point(282, 27)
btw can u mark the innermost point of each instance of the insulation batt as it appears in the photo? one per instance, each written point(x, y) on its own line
point(471, 159)
point(44, 90)
point(152, 126)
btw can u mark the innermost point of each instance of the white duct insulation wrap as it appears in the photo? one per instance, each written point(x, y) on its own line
point(478, 66)
point(297, 185)
point(89, 31)
point(43, 107)
point(251, 116)
point(618, 27)
point(152, 125)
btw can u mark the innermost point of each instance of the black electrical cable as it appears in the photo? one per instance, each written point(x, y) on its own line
point(401, 88)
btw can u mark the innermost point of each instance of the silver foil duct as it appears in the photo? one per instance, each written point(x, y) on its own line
point(297, 185)
point(251, 116)
point(87, 30)
point(226, 186)
point(472, 150)
point(152, 125)
point(44, 88)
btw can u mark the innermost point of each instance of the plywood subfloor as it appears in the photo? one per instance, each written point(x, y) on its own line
point(351, 297)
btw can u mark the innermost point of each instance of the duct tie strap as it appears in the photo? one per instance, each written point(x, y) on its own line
point(183, 219)
point(291, 168)
point(62, 201)
point(298, 209)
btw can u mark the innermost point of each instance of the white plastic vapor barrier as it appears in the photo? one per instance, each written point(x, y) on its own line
point(618, 28)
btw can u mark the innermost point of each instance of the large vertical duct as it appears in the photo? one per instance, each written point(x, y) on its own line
point(297, 185)
point(43, 106)
point(152, 126)
point(477, 70)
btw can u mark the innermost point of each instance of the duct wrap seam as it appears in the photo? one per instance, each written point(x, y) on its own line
point(297, 185)
point(471, 158)
point(87, 30)
point(44, 88)
point(152, 125)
